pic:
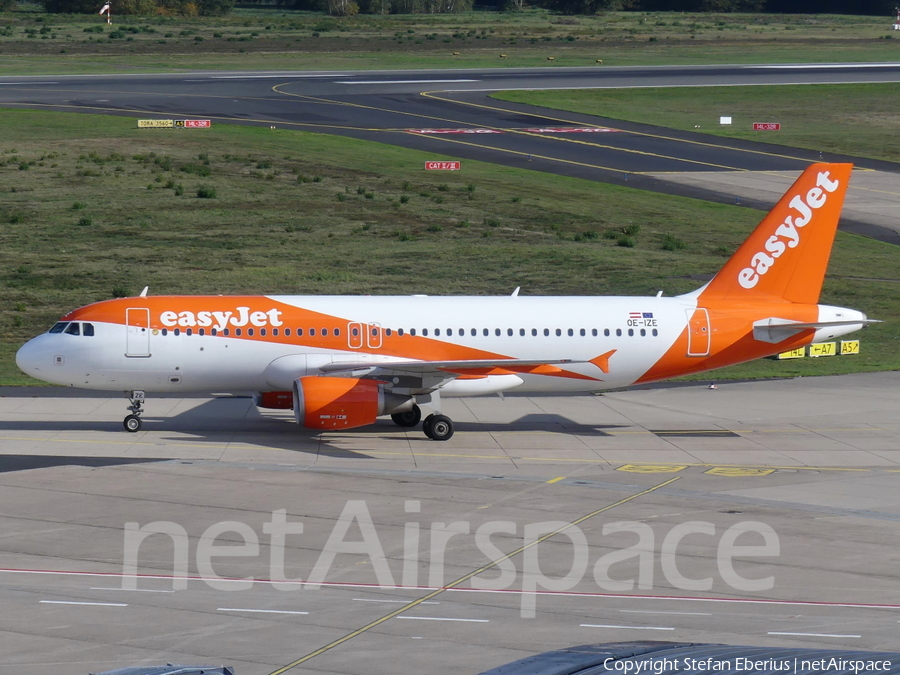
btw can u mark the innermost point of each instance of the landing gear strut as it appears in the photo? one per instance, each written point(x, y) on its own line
point(132, 423)
point(438, 427)
point(410, 418)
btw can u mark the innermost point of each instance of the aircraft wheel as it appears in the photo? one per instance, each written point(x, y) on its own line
point(410, 418)
point(132, 423)
point(440, 427)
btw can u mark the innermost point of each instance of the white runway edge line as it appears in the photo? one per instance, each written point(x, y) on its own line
point(820, 66)
point(128, 590)
point(648, 611)
point(592, 625)
point(773, 632)
point(267, 77)
point(89, 604)
point(401, 81)
point(30, 84)
point(258, 611)
point(442, 618)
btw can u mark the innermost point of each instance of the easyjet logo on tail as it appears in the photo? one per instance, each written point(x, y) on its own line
point(241, 316)
point(787, 235)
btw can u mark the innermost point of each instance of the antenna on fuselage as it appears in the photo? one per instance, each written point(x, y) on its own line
point(515, 293)
point(144, 292)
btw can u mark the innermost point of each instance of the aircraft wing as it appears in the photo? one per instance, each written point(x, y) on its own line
point(424, 376)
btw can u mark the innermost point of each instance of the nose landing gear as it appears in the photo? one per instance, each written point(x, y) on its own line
point(132, 423)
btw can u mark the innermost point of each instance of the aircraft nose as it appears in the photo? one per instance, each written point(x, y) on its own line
point(34, 358)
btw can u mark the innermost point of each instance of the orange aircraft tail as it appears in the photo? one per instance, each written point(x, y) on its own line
point(787, 254)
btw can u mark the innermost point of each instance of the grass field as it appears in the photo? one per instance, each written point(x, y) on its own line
point(91, 207)
point(855, 119)
point(32, 42)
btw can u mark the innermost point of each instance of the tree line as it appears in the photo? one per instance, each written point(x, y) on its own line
point(583, 7)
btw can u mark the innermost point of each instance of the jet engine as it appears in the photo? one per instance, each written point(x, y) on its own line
point(343, 402)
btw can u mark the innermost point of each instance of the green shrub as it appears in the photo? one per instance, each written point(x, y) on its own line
point(205, 192)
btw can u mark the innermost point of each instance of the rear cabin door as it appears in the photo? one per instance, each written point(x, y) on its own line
point(698, 332)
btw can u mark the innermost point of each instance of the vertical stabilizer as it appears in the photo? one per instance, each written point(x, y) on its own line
point(787, 254)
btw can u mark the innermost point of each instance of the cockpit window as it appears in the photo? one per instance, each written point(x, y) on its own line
point(74, 328)
point(59, 327)
point(87, 329)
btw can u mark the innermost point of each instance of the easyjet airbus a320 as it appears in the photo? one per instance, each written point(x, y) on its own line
point(342, 361)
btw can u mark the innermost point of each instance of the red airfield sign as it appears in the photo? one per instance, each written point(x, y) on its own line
point(442, 166)
point(766, 126)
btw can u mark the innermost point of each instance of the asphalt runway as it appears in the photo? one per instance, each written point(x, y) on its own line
point(449, 113)
point(814, 460)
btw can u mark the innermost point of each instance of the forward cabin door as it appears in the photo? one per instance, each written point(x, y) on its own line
point(137, 332)
point(698, 332)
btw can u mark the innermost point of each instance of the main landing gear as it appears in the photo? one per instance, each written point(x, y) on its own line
point(436, 427)
point(132, 423)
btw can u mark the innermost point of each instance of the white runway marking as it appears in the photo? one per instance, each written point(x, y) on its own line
point(90, 604)
point(591, 625)
point(814, 634)
point(401, 81)
point(28, 83)
point(128, 590)
point(813, 66)
point(404, 602)
point(257, 611)
point(646, 611)
point(269, 77)
point(442, 618)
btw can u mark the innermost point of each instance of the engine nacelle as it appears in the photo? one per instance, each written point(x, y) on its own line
point(343, 402)
point(276, 400)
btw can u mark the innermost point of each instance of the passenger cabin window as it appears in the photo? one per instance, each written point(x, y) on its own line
point(400, 332)
point(214, 332)
point(546, 332)
point(74, 328)
point(486, 332)
point(324, 332)
point(594, 332)
point(226, 332)
point(631, 332)
point(618, 332)
point(412, 331)
point(655, 332)
point(522, 332)
point(388, 331)
point(497, 332)
point(437, 332)
point(59, 327)
point(202, 332)
point(425, 332)
point(250, 332)
point(474, 332)
point(178, 331)
point(606, 332)
point(534, 332)
point(312, 332)
point(571, 332)
point(190, 331)
point(274, 332)
point(87, 329)
point(337, 332)
point(558, 332)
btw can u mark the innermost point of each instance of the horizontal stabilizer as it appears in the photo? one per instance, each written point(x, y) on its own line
point(774, 329)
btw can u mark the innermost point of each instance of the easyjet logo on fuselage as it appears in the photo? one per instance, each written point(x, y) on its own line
point(787, 235)
point(240, 316)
